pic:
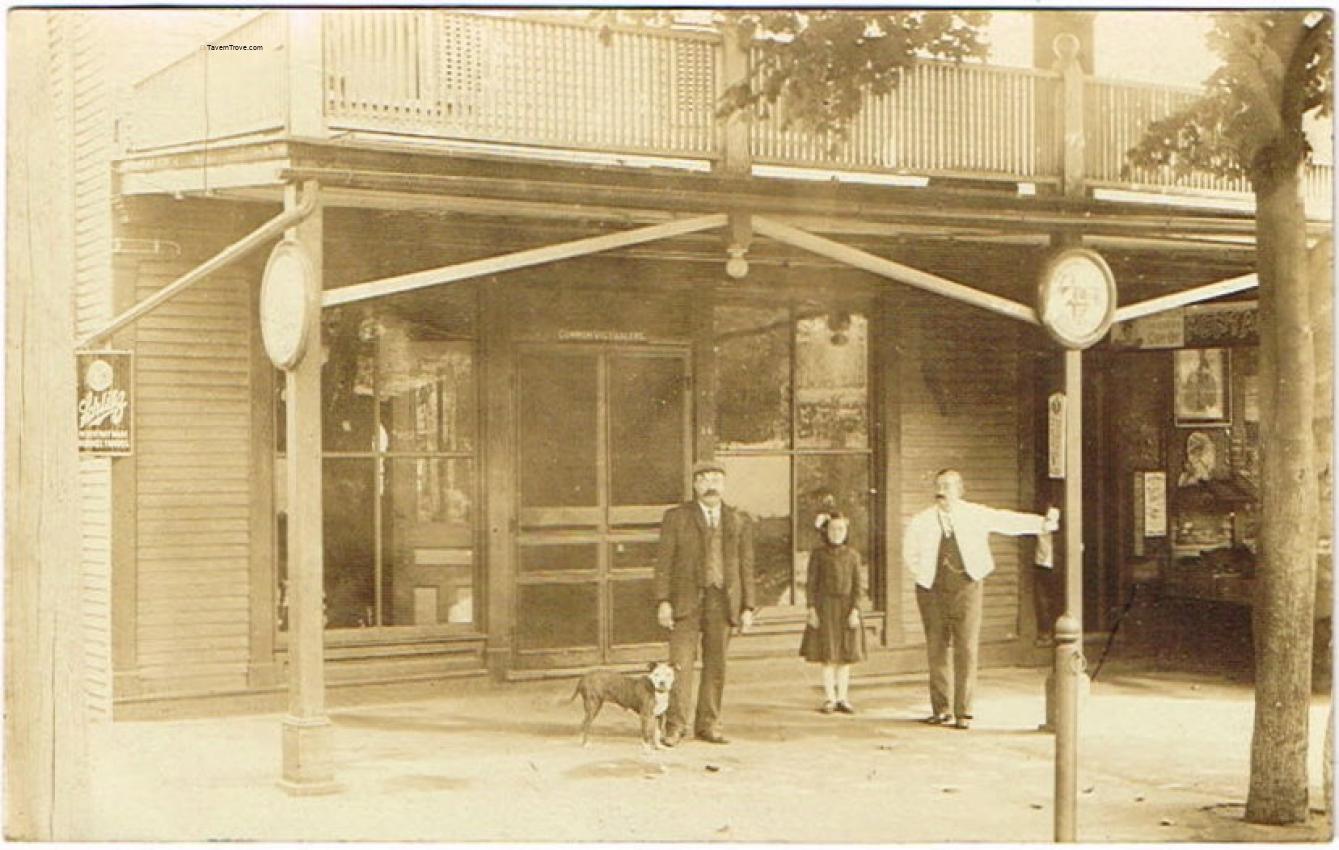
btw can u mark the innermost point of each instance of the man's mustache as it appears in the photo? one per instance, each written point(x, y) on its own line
point(711, 492)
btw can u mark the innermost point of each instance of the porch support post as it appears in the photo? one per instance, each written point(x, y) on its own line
point(306, 80)
point(307, 767)
point(1069, 660)
point(1072, 154)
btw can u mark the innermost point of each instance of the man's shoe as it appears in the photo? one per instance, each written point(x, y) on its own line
point(672, 737)
point(845, 707)
point(938, 719)
point(828, 707)
point(963, 722)
point(712, 737)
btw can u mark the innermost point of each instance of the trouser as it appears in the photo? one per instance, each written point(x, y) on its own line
point(709, 627)
point(951, 613)
point(1047, 598)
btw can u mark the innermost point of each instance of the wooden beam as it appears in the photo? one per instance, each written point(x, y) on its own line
point(1190, 296)
point(895, 271)
point(518, 260)
point(268, 231)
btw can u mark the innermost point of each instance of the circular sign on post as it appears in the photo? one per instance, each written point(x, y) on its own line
point(287, 301)
point(1077, 297)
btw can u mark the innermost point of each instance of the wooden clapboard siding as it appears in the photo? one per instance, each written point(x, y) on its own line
point(83, 139)
point(959, 407)
point(193, 484)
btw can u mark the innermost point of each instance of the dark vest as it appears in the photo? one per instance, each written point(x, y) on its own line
point(950, 556)
point(713, 564)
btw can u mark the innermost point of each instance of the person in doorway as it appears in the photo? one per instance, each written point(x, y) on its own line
point(835, 590)
point(704, 585)
point(946, 549)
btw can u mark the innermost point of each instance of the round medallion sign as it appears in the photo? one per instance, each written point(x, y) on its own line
point(287, 299)
point(1077, 297)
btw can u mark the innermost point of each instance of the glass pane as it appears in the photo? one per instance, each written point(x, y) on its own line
point(633, 613)
point(350, 551)
point(427, 390)
point(634, 554)
point(646, 430)
point(348, 382)
point(559, 557)
point(752, 377)
point(558, 416)
point(428, 538)
point(825, 482)
point(438, 312)
point(761, 486)
point(558, 616)
point(832, 381)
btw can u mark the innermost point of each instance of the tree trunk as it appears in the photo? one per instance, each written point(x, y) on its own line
point(45, 765)
point(1285, 578)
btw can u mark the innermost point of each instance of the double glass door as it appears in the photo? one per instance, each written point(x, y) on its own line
point(604, 450)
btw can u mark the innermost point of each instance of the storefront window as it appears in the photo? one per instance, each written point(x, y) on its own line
point(823, 352)
point(398, 419)
point(753, 383)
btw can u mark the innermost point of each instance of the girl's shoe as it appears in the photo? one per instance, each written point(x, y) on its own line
point(828, 707)
point(845, 707)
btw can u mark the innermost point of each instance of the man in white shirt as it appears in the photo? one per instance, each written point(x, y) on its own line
point(946, 549)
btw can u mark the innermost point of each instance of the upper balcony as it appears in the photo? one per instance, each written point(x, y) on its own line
point(567, 91)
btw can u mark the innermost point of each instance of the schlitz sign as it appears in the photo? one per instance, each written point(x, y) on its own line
point(104, 402)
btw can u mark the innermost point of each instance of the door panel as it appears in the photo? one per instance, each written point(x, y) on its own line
point(604, 451)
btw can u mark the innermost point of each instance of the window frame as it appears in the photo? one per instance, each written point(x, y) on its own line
point(380, 632)
point(863, 304)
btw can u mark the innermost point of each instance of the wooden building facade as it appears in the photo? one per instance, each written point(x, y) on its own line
point(501, 438)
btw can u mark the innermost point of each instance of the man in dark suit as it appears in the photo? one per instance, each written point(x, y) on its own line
point(704, 583)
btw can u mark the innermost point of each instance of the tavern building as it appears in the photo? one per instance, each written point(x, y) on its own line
point(543, 296)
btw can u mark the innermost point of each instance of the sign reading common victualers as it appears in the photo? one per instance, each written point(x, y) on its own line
point(105, 395)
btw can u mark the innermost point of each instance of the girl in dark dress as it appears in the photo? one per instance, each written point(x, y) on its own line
point(834, 636)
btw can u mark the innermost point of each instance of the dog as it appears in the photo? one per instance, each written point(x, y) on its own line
point(646, 693)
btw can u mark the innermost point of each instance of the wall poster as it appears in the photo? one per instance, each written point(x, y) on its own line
point(104, 414)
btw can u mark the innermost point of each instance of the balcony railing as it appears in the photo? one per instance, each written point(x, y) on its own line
point(942, 119)
point(569, 86)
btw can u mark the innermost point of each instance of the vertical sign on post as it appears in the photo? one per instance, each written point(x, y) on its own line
point(1055, 435)
point(1076, 302)
point(1155, 504)
point(105, 398)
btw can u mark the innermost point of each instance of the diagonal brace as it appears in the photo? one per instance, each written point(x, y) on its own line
point(518, 260)
point(896, 271)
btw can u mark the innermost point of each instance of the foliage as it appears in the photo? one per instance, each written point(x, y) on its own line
point(1277, 67)
point(814, 66)
point(817, 65)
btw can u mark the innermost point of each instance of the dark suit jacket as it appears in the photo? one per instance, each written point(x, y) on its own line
point(679, 567)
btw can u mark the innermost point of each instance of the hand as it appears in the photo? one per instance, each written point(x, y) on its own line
point(745, 620)
point(853, 619)
point(813, 618)
point(665, 615)
point(1052, 521)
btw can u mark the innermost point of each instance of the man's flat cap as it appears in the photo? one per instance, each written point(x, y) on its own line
point(703, 466)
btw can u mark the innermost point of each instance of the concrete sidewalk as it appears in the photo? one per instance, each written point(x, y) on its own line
point(1164, 759)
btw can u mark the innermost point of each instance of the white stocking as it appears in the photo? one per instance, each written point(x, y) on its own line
point(843, 681)
point(829, 684)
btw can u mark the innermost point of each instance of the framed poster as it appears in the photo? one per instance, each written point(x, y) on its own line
point(105, 395)
point(1200, 379)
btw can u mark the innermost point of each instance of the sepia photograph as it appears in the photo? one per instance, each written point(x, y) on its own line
point(815, 425)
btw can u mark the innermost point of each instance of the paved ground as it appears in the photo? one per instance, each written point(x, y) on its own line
point(1164, 759)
